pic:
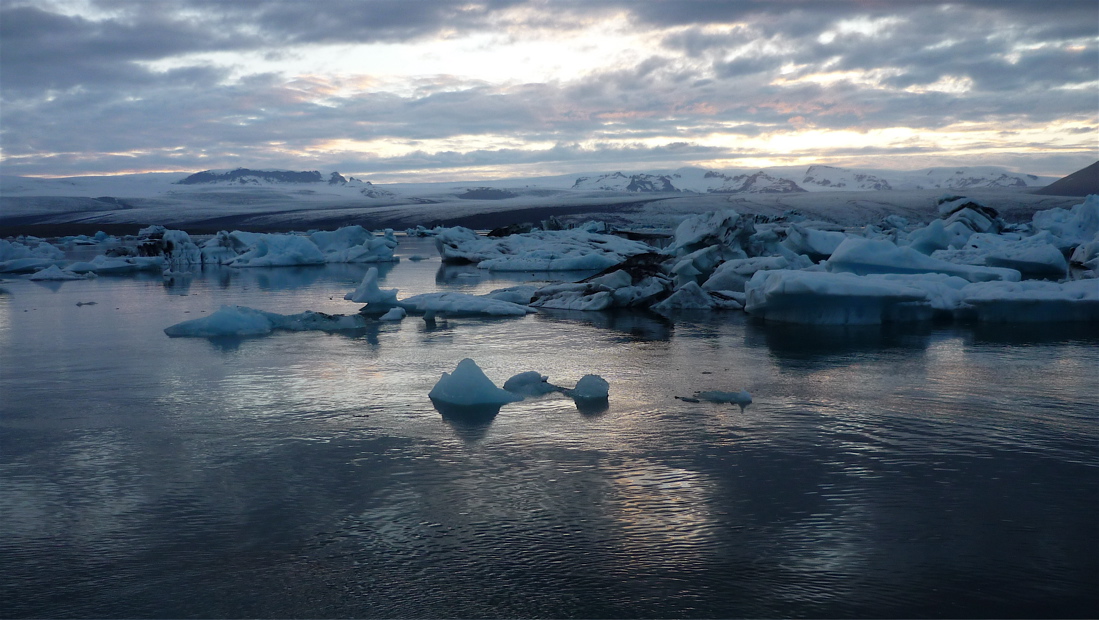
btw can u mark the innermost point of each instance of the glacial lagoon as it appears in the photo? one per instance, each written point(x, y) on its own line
point(884, 471)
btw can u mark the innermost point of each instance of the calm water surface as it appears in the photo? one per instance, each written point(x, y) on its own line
point(913, 471)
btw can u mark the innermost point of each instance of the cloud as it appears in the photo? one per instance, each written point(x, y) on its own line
point(178, 84)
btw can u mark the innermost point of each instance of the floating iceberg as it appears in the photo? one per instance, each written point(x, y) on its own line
point(271, 250)
point(816, 244)
point(118, 265)
point(241, 321)
point(447, 303)
point(872, 256)
point(558, 250)
point(355, 244)
point(590, 387)
point(394, 314)
point(350, 244)
point(468, 386)
point(462, 304)
point(822, 298)
point(369, 293)
point(617, 289)
point(1074, 226)
point(1032, 301)
point(741, 398)
point(53, 272)
point(530, 383)
point(16, 257)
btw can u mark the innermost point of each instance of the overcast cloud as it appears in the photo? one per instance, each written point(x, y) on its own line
point(391, 89)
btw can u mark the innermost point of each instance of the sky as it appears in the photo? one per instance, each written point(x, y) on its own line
point(426, 90)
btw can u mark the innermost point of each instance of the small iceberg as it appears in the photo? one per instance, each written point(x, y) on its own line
point(53, 272)
point(467, 392)
point(590, 394)
point(241, 322)
point(742, 398)
point(530, 383)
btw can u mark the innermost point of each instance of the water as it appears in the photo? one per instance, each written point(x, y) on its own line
point(914, 471)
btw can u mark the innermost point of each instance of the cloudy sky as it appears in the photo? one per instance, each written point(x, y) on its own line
point(431, 90)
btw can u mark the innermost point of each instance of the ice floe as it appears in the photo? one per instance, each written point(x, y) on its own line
point(53, 272)
point(468, 386)
point(241, 321)
point(530, 383)
point(741, 398)
point(557, 250)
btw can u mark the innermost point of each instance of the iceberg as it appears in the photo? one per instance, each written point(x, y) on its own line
point(530, 383)
point(822, 298)
point(870, 256)
point(53, 272)
point(633, 286)
point(1073, 226)
point(228, 321)
point(741, 398)
point(556, 250)
point(590, 387)
point(688, 297)
point(725, 228)
point(241, 321)
point(369, 293)
point(16, 257)
point(816, 244)
point(468, 386)
point(732, 275)
point(118, 265)
point(1032, 301)
point(394, 314)
point(355, 244)
point(272, 250)
point(462, 304)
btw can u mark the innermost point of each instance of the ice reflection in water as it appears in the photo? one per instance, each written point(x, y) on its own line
point(879, 472)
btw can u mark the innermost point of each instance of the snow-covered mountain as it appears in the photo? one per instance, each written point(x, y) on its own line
point(244, 176)
point(618, 182)
point(823, 178)
point(815, 178)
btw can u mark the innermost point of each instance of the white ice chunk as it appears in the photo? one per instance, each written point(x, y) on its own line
point(462, 304)
point(27, 264)
point(225, 322)
point(530, 383)
point(53, 272)
point(938, 236)
point(817, 244)
point(272, 250)
point(354, 244)
point(394, 314)
point(11, 250)
point(732, 275)
point(811, 297)
point(868, 256)
point(590, 387)
point(1075, 226)
point(369, 293)
point(742, 398)
point(468, 386)
point(119, 265)
point(1032, 301)
point(580, 299)
point(520, 294)
point(560, 250)
point(714, 228)
point(241, 321)
point(688, 297)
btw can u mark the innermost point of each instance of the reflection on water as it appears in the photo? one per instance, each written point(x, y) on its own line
point(885, 472)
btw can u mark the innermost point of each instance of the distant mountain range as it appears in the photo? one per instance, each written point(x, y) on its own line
point(815, 178)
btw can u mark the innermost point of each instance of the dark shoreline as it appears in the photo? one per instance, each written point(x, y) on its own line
point(15, 227)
